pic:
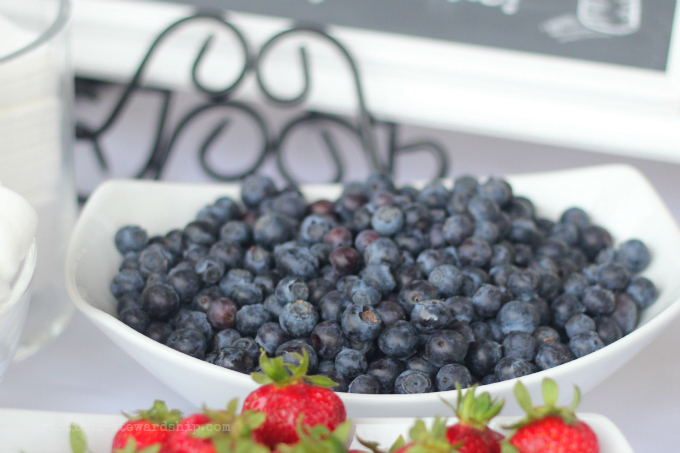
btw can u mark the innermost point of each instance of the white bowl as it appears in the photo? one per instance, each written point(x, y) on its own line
point(617, 197)
point(48, 432)
point(13, 310)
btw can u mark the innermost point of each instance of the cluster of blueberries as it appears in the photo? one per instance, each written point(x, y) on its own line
point(388, 290)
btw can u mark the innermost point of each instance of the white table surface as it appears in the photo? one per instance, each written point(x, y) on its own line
point(83, 371)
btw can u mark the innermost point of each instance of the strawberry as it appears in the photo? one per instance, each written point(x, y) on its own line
point(422, 440)
point(549, 428)
point(288, 395)
point(216, 432)
point(146, 429)
point(471, 434)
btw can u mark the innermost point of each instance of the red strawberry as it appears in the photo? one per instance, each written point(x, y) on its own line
point(146, 429)
point(216, 432)
point(288, 397)
point(471, 434)
point(550, 429)
point(422, 440)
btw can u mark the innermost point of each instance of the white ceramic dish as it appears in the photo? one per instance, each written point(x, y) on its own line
point(48, 432)
point(617, 197)
point(14, 308)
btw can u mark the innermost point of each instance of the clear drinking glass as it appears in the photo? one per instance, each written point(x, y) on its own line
point(36, 147)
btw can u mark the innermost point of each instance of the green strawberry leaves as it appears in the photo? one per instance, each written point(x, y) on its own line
point(275, 371)
point(319, 439)
point(550, 396)
point(158, 414)
point(78, 439)
point(475, 411)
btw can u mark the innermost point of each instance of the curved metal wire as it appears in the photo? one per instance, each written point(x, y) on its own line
point(166, 137)
point(367, 134)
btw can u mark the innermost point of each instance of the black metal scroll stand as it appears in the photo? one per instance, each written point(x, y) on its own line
point(363, 126)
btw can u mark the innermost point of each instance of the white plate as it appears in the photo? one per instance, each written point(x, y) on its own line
point(617, 197)
point(48, 432)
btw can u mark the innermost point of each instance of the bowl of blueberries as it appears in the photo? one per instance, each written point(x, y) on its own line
point(397, 293)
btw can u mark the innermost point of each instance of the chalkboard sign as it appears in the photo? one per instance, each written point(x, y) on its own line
point(635, 33)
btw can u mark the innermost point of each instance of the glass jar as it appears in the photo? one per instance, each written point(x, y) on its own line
point(36, 148)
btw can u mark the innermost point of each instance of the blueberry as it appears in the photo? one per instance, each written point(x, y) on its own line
point(237, 231)
point(250, 318)
point(488, 232)
point(273, 229)
point(382, 251)
point(267, 281)
point(327, 366)
point(567, 232)
point(598, 300)
point(250, 346)
point(199, 232)
point(225, 338)
point(346, 260)
point(489, 379)
point(347, 282)
point(364, 383)
point(364, 238)
point(398, 340)
point(256, 188)
point(497, 190)
point(495, 331)
point(131, 238)
point(134, 317)
point(290, 203)
point(447, 279)
point(298, 262)
point(564, 307)
point(482, 356)
point(487, 301)
point(390, 312)
point(480, 330)
point(461, 308)
point(634, 255)
point(385, 371)
point(474, 278)
point(189, 341)
point(318, 288)
point(464, 329)
point(520, 344)
point(416, 216)
point(412, 381)
point(350, 363)
point(502, 254)
point(642, 291)
point(436, 236)
point(367, 348)
point(290, 289)
point(257, 259)
point(428, 316)
point(523, 255)
point(387, 220)
point(234, 358)
point(361, 322)
point(381, 276)
point(594, 239)
point(576, 216)
point(193, 252)
point(327, 339)
point(210, 269)
point(298, 318)
point(585, 343)
point(158, 331)
point(451, 374)
point(446, 346)
point(196, 320)
point(550, 286)
point(465, 184)
point(333, 304)
point(365, 293)
point(287, 349)
point(406, 274)
point(186, 283)
point(377, 182)
point(231, 253)
point(339, 379)
point(552, 248)
point(552, 354)
point(126, 281)
point(314, 228)
point(222, 313)
point(576, 284)
point(511, 368)
point(243, 293)
point(130, 262)
point(578, 324)
point(524, 283)
point(414, 292)
point(613, 276)
point(270, 336)
point(545, 334)
point(434, 195)
point(542, 308)
point(160, 302)
point(457, 228)
point(420, 363)
point(625, 313)
point(608, 330)
point(518, 316)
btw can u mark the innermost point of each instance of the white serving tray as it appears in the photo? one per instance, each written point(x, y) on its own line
point(48, 432)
